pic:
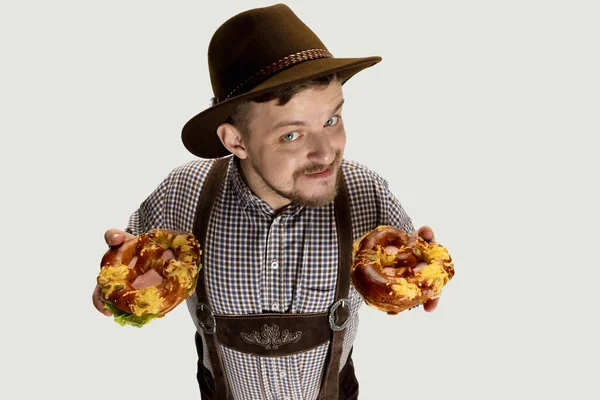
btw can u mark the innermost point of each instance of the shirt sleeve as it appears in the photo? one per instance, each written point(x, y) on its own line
point(150, 214)
point(391, 211)
point(396, 215)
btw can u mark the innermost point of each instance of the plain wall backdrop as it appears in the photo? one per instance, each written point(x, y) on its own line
point(483, 116)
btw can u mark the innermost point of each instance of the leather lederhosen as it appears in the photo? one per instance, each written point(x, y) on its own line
point(292, 333)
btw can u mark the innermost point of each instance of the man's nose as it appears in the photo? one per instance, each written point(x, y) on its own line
point(321, 149)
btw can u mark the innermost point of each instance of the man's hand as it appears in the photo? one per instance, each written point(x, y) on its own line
point(426, 233)
point(113, 238)
point(430, 305)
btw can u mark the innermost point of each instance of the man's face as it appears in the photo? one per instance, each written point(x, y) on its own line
point(294, 151)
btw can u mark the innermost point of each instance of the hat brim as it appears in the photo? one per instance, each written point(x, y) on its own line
point(199, 134)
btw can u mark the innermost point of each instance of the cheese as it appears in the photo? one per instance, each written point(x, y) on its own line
point(184, 273)
point(111, 277)
point(405, 289)
point(147, 301)
point(181, 243)
point(434, 274)
point(150, 248)
point(385, 259)
point(435, 253)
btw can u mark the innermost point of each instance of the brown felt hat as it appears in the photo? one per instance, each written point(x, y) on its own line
point(255, 52)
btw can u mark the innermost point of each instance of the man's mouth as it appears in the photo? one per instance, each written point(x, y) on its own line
point(320, 174)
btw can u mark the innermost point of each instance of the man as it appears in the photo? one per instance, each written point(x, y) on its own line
point(275, 227)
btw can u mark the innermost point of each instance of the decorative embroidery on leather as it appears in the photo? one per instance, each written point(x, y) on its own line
point(271, 338)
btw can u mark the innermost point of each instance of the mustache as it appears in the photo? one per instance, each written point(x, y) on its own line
point(314, 168)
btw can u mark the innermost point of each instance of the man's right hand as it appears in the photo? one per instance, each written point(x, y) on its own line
point(113, 238)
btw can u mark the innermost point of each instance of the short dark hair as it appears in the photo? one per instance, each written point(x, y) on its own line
point(240, 117)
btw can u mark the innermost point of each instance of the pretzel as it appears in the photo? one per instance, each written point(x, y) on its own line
point(150, 274)
point(394, 271)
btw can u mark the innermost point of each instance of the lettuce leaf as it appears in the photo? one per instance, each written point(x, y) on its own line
point(123, 318)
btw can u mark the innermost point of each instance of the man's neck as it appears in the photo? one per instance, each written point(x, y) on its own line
point(257, 185)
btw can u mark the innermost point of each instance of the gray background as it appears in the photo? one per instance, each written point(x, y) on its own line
point(483, 117)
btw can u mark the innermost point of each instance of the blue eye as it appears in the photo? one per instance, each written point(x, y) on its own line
point(290, 137)
point(332, 121)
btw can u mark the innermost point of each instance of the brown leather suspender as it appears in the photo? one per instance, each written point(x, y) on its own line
point(236, 331)
point(339, 312)
point(209, 193)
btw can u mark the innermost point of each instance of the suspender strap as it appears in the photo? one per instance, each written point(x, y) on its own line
point(210, 190)
point(339, 312)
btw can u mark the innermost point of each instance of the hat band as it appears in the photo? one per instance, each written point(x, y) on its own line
point(283, 63)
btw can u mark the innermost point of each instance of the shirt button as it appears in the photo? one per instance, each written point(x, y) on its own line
point(276, 306)
point(274, 264)
point(282, 374)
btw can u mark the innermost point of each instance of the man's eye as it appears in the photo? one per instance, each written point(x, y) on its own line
point(332, 121)
point(290, 137)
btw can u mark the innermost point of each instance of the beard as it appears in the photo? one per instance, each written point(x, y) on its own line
point(307, 199)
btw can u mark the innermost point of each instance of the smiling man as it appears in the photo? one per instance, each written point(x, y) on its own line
point(276, 208)
point(291, 152)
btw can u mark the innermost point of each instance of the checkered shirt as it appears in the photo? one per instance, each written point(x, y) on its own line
point(258, 260)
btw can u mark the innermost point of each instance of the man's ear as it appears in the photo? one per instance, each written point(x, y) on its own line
point(231, 137)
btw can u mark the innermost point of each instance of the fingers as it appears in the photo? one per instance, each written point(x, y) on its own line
point(430, 305)
point(98, 301)
point(426, 233)
point(115, 237)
